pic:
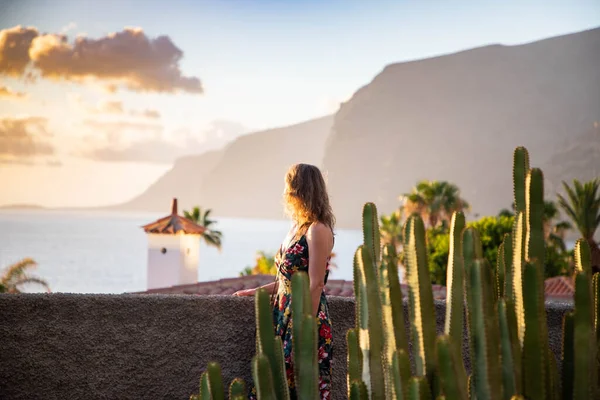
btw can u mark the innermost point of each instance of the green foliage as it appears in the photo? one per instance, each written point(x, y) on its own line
point(506, 317)
point(264, 265)
point(17, 275)
point(434, 201)
point(211, 236)
point(491, 232)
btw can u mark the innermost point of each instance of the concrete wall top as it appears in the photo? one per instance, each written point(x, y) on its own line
point(131, 346)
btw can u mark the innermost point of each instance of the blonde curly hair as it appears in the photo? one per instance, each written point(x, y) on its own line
point(305, 197)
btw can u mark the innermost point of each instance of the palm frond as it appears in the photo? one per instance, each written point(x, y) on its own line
point(30, 279)
point(17, 270)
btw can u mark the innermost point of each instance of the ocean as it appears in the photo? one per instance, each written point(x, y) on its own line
point(85, 252)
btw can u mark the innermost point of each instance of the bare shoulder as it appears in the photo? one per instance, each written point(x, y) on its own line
point(319, 232)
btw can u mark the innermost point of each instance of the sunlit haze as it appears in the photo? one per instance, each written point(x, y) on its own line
point(97, 120)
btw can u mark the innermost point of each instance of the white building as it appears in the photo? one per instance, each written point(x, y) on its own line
point(173, 250)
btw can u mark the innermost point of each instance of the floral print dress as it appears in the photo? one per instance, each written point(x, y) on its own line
point(289, 261)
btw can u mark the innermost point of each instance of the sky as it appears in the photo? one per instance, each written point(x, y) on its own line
point(98, 98)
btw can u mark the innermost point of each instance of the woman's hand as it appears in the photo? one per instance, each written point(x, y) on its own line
point(246, 292)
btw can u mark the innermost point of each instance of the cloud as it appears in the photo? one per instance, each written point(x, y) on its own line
point(153, 147)
point(69, 27)
point(6, 92)
point(128, 59)
point(14, 49)
point(24, 139)
point(148, 113)
point(110, 107)
point(114, 107)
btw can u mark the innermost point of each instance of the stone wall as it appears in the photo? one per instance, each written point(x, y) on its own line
point(76, 346)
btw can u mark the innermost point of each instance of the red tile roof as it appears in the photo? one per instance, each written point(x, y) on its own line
point(557, 288)
point(174, 224)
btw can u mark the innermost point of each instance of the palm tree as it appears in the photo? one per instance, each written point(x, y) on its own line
point(434, 200)
point(211, 237)
point(582, 205)
point(16, 275)
point(390, 229)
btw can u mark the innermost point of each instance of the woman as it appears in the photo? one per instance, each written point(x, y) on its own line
point(307, 247)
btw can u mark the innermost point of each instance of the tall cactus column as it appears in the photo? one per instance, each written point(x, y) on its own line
point(422, 312)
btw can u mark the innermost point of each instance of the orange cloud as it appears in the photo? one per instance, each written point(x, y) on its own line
point(6, 92)
point(127, 59)
point(22, 139)
point(14, 49)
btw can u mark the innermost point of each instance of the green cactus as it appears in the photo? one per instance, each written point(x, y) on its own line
point(452, 375)
point(596, 306)
point(215, 382)
point(358, 391)
point(371, 234)
point(484, 333)
point(390, 258)
point(268, 345)
point(535, 354)
point(584, 342)
point(362, 319)
point(420, 294)
point(377, 361)
point(518, 268)
point(583, 257)
point(453, 326)
point(500, 272)
point(535, 244)
point(393, 313)
point(471, 387)
point(567, 356)
point(418, 389)
point(237, 390)
point(508, 292)
point(263, 378)
point(354, 358)
point(520, 171)
point(401, 373)
point(304, 338)
point(508, 339)
point(204, 388)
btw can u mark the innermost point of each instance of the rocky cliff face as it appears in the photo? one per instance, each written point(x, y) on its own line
point(245, 179)
point(458, 117)
point(248, 180)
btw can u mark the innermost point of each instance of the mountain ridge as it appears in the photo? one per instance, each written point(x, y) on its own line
point(455, 117)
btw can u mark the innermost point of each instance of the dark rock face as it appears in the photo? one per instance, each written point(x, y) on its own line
point(73, 346)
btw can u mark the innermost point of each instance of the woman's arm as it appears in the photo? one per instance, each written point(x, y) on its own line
point(320, 243)
point(269, 287)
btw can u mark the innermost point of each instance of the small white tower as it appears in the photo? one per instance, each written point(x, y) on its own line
point(173, 250)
